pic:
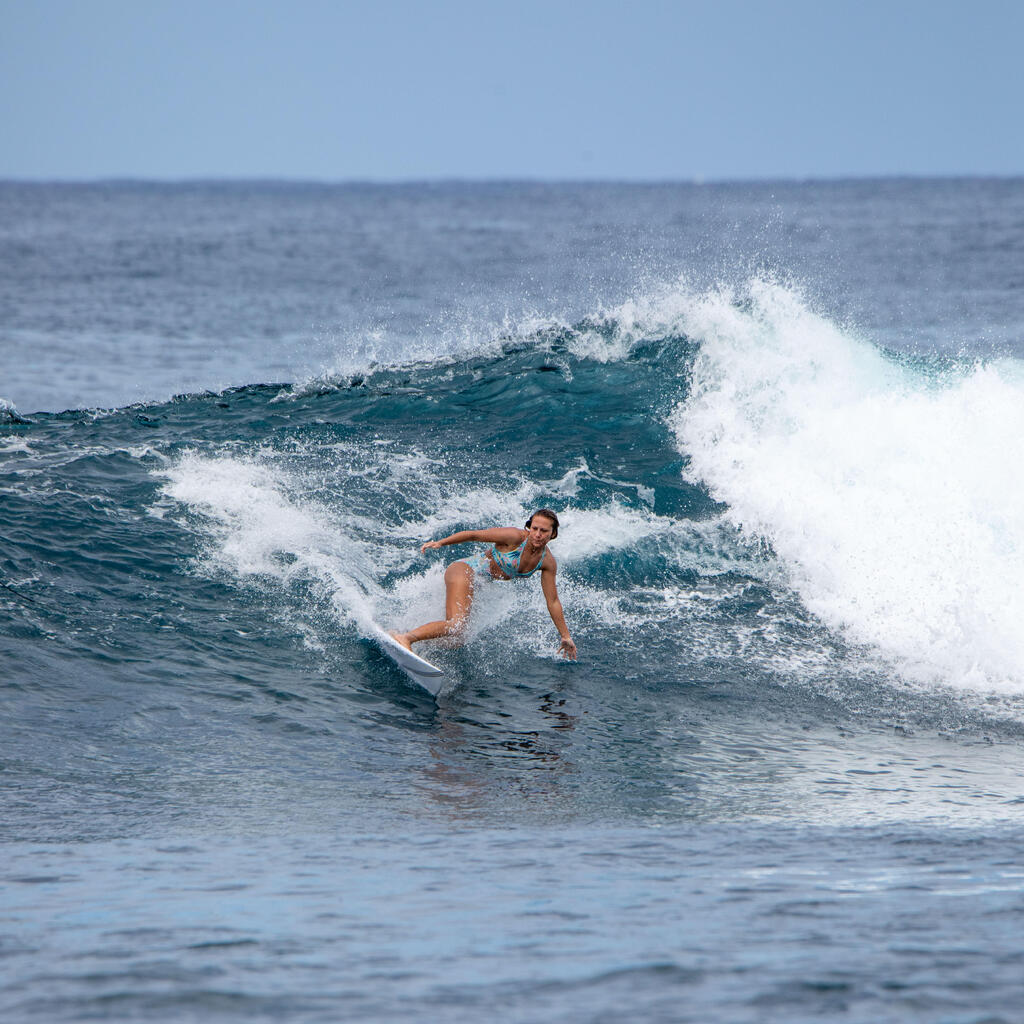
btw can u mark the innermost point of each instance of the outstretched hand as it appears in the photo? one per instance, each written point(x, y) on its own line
point(567, 649)
point(430, 544)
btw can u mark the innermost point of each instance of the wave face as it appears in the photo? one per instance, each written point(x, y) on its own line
point(718, 451)
point(746, 490)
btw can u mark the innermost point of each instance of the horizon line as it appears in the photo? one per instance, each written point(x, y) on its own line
point(449, 180)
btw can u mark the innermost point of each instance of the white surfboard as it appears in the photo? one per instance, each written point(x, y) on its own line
point(418, 669)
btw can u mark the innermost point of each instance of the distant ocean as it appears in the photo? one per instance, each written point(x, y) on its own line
point(783, 426)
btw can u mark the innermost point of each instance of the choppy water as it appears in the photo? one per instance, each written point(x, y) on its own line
point(782, 427)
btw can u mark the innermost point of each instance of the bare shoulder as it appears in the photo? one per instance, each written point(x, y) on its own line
point(509, 537)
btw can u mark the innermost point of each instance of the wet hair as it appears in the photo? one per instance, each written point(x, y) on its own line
point(547, 514)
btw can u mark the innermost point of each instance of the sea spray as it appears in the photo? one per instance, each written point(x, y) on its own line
point(893, 497)
point(254, 528)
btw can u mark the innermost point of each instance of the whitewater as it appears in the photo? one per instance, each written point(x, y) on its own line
point(782, 428)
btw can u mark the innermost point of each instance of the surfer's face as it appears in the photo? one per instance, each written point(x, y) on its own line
point(541, 529)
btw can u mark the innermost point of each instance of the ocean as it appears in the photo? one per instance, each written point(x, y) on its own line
point(783, 427)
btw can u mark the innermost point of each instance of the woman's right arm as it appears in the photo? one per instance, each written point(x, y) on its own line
point(499, 535)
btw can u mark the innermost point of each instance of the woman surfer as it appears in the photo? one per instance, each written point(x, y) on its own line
point(514, 554)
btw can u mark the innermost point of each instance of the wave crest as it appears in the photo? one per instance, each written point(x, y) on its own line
point(892, 496)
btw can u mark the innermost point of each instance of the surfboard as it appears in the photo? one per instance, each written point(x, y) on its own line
point(418, 669)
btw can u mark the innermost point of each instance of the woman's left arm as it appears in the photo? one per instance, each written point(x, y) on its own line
point(550, 588)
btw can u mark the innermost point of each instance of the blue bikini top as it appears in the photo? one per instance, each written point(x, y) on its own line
point(508, 561)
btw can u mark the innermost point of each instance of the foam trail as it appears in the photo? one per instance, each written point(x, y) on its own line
point(256, 529)
point(895, 502)
point(256, 522)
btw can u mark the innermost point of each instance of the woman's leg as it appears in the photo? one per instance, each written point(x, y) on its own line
point(458, 599)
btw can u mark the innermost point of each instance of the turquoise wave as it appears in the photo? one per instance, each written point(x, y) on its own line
point(218, 534)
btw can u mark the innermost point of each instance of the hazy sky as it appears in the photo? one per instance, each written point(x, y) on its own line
point(394, 89)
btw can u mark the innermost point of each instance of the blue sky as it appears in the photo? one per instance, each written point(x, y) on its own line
point(395, 90)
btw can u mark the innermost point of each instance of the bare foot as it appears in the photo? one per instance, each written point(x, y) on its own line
point(403, 639)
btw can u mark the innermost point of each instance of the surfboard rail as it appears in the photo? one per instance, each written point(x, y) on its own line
point(418, 669)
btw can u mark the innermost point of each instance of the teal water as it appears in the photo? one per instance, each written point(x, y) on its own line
point(783, 781)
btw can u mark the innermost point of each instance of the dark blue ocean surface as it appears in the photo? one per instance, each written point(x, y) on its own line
point(783, 427)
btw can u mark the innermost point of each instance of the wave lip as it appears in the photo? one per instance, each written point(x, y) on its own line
point(9, 414)
point(892, 496)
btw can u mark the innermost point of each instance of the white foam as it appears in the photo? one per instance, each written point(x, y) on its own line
point(895, 502)
point(259, 523)
point(608, 335)
point(657, 314)
point(586, 533)
point(256, 529)
point(11, 445)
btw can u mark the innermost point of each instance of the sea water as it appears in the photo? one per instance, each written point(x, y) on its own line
point(782, 427)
